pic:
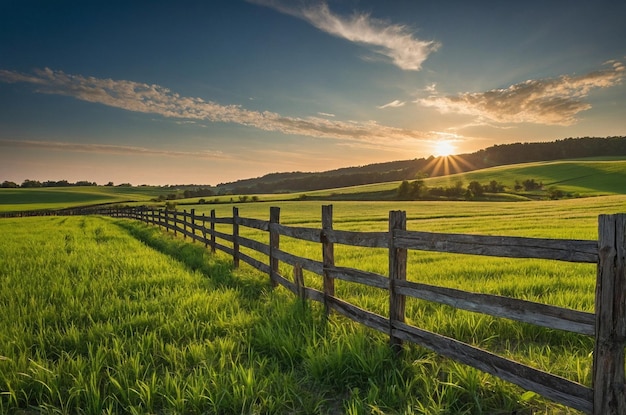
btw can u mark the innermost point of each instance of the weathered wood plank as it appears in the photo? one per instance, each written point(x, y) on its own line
point(360, 277)
point(222, 235)
point(306, 234)
point(365, 239)
point(501, 246)
point(274, 243)
point(521, 310)
point(255, 223)
point(550, 386)
point(256, 245)
point(227, 221)
point(367, 318)
point(308, 264)
point(224, 248)
point(254, 262)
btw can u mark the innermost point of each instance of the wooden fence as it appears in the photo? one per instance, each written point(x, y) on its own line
point(607, 325)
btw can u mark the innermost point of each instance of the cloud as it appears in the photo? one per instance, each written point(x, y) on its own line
point(326, 114)
point(552, 101)
point(394, 41)
point(392, 104)
point(110, 149)
point(155, 99)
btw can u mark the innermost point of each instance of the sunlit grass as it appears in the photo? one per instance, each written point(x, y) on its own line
point(109, 316)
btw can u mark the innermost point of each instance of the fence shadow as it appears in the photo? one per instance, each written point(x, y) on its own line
point(195, 257)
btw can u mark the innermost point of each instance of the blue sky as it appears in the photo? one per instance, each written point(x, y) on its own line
point(173, 92)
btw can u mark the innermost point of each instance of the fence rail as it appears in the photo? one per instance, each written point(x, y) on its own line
point(607, 324)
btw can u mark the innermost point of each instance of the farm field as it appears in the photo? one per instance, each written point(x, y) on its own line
point(66, 197)
point(582, 178)
point(109, 315)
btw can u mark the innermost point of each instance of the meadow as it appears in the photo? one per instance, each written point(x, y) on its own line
point(108, 315)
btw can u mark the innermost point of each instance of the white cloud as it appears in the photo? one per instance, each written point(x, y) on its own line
point(111, 149)
point(393, 41)
point(554, 101)
point(392, 104)
point(326, 114)
point(155, 99)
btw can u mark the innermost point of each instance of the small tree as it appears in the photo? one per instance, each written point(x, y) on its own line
point(475, 189)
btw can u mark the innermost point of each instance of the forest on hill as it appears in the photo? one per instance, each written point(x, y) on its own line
point(497, 155)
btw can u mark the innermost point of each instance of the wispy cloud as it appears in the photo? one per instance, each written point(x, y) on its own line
point(393, 104)
point(155, 99)
point(326, 114)
point(394, 41)
point(553, 101)
point(111, 149)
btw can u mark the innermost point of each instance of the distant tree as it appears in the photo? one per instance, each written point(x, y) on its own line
point(531, 184)
point(85, 183)
point(9, 185)
point(404, 190)
point(30, 183)
point(417, 189)
point(495, 187)
point(124, 185)
point(109, 184)
point(475, 189)
point(255, 198)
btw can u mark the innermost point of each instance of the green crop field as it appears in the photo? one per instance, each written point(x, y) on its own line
point(64, 197)
point(104, 315)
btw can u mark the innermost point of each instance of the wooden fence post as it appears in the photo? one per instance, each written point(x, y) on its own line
point(184, 223)
point(175, 214)
point(213, 230)
point(192, 221)
point(397, 272)
point(167, 225)
point(609, 394)
point(235, 237)
point(298, 279)
point(206, 243)
point(328, 254)
point(274, 244)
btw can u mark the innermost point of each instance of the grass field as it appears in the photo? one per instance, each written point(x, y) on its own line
point(582, 178)
point(64, 197)
point(107, 316)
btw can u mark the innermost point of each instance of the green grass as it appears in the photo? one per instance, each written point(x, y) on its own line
point(106, 315)
point(581, 178)
point(64, 197)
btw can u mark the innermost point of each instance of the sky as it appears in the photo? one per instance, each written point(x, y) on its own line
point(207, 92)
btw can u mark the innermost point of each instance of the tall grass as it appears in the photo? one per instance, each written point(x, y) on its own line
point(112, 316)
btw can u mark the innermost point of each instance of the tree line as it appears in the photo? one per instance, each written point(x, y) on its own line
point(418, 190)
point(48, 183)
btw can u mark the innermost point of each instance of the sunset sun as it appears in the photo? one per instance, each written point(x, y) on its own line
point(444, 149)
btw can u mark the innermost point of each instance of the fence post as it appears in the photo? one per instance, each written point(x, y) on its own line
point(184, 223)
point(175, 215)
point(609, 397)
point(397, 272)
point(192, 222)
point(167, 225)
point(274, 244)
point(213, 230)
point(206, 243)
point(328, 254)
point(235, 237)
